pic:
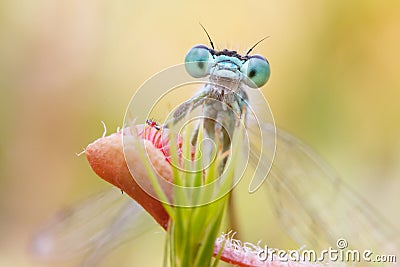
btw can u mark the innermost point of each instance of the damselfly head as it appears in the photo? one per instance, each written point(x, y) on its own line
point(202, 61)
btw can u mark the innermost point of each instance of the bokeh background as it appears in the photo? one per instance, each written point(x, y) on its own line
point(67, 65)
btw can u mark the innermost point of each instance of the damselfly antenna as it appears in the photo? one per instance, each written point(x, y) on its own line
point(209, 38)
point(251, 49)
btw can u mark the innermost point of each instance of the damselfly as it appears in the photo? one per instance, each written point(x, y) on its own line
point(315, 206)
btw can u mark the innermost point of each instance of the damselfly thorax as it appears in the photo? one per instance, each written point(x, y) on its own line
point(224, 97)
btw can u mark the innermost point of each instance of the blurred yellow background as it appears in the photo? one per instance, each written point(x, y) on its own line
point(67, 65)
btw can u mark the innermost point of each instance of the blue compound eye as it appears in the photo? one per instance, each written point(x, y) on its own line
point(257, 71)
point(197, 61)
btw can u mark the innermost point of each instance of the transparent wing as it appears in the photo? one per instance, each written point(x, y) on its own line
point(316, 207)
point(262, 144)
point(91, 229)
